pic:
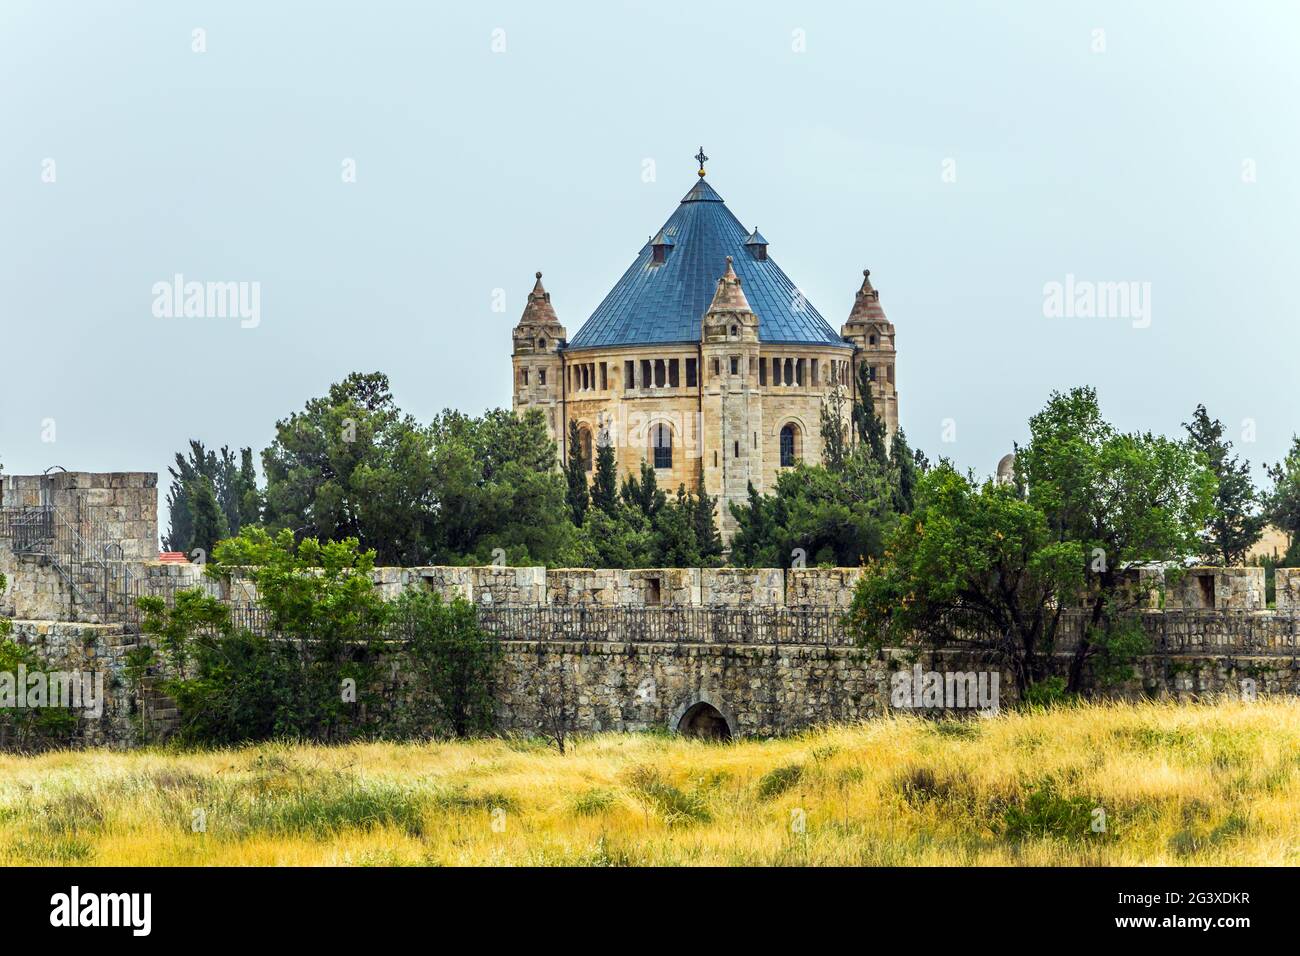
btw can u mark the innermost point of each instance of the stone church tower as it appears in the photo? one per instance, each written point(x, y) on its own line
point(538, 360)
point(705, 359)
point(873, 335)
point(731, 401)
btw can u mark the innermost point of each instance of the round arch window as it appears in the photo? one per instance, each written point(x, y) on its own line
point(789, 445)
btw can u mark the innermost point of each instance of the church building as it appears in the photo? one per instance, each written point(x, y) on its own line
point(704, 358)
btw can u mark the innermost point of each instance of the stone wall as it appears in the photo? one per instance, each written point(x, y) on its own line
point(619, 686)
point(97, 649)
point(122, 503)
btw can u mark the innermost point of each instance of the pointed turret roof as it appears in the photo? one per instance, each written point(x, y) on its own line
point(866, 305)
point(663, 302)
point(539, 311)
point(730, 297)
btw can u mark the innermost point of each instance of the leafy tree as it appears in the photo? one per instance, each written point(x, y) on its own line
point(1124, 498)
point(28, 727)
point(495, 487)
point(623, 538)
point(352, 465)
point(575, 476)
point(309, 671)
point(1236, 521)
point(974, 567)
point(454, 661)
point(836, 518)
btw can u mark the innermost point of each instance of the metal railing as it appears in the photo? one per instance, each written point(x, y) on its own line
point(93, 565)
point(1209, 633)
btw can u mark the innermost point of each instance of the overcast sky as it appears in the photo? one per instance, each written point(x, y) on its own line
point(969, 154)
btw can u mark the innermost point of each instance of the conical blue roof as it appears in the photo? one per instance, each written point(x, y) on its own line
point(661, 303)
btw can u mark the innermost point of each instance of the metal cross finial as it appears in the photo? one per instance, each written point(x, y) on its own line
point(701, 159)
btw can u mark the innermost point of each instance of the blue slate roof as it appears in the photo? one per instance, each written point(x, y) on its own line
point(661, 303)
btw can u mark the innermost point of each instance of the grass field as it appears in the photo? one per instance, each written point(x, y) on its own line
point(1178, 785)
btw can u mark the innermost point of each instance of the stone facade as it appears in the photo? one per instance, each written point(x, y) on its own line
point(124, 505)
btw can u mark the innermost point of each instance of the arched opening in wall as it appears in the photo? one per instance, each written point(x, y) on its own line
point(704, 721)
point(661, 445)
point(584, 445)
point(789, 446)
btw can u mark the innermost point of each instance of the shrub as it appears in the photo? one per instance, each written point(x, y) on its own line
point(778, 780)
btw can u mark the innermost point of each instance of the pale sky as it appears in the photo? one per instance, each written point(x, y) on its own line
point(1113, 142)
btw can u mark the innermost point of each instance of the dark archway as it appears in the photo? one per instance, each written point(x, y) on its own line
point(704, 721)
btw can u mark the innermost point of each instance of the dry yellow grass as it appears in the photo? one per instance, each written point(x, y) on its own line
point(1178, 784)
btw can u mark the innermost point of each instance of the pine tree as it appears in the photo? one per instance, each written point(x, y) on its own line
point(707, 539)
point(834, 439)
point(644, 494)
point(575, 474)
point(250, 502)
point(905, 473)
point(209, 520)
point(1237, 521)
point(870, 427)
point(604, 489)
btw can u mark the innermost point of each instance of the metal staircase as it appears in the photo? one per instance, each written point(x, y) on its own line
point(91, 566)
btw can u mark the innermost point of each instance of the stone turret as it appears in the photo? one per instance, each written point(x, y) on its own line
point(539, 339)
point(732, 401)
point(873, 335)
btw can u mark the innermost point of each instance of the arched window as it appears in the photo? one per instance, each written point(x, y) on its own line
point(541, 343)
point(584, 447)
point(789, 435)
point(661, 440)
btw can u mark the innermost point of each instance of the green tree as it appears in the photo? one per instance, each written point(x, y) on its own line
point(208, 521)
point(575, 476)
point(1283, 501)
point(838, 518)
point(643, 493)
point(495, 488)
point(869, 426)
point(1236, 521)
point(454, 661)
point(905, 473)
point(835, 439)
point(352, 465)
point(250, 500)
point(974, 567)
point(235, 488)
point(1125, 499)
point(604, 489)
point(707, 538)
